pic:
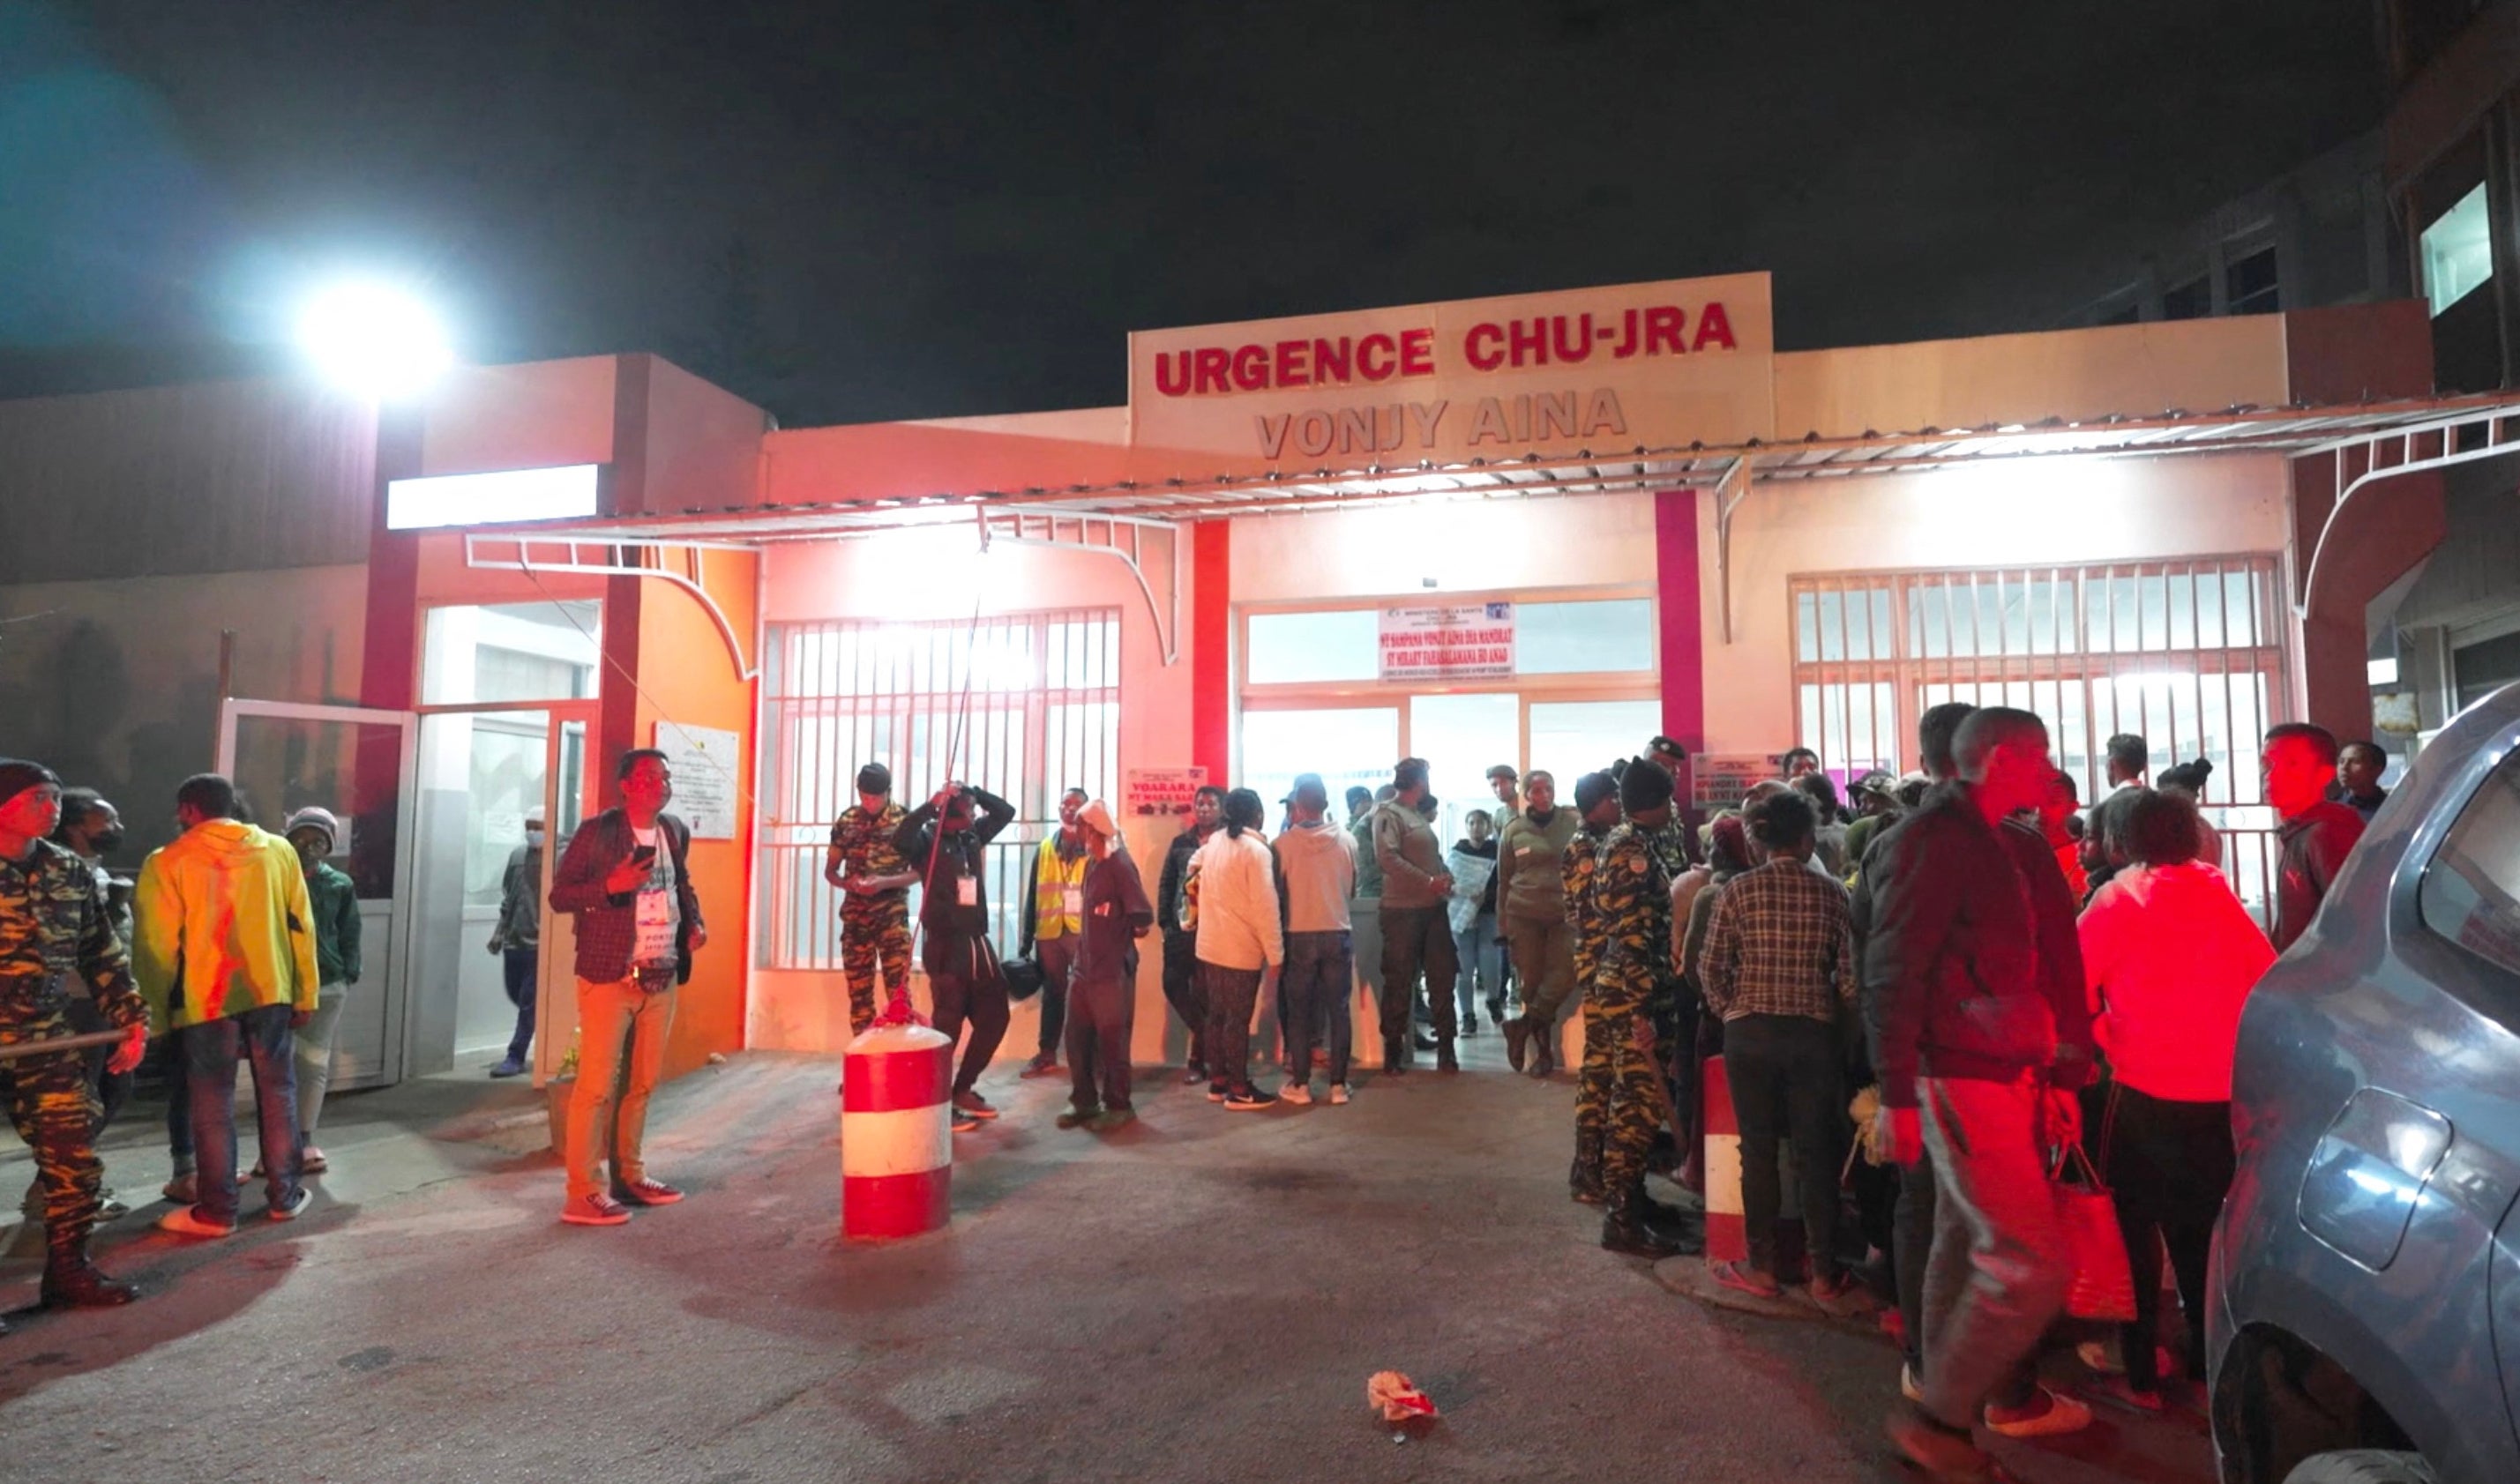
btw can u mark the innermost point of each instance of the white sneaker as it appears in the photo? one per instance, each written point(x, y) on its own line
point(1300, 1093)
point(1338, 1095)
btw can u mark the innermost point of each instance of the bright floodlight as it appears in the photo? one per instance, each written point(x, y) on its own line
point(374, 339)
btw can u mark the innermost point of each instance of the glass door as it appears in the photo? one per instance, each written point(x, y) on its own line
point(1347, 745)
point(358, 764)
point(480, 774)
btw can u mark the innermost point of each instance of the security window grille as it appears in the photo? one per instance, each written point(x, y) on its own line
point(2190, 655)
point(1043, 692)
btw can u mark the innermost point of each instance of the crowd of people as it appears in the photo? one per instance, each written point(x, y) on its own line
point(1991, 970)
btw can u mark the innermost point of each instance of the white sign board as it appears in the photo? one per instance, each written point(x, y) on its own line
point(1717, 781)
point(1163, 790)
point(1455, 640)
point(705, 770)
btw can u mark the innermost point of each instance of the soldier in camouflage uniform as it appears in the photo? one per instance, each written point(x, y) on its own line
point(874, 906)
point(1596, 802)
point(55, 924)
point(1631, 991)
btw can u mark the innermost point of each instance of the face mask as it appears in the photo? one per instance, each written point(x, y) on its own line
point(534, 837)
point(107, 842)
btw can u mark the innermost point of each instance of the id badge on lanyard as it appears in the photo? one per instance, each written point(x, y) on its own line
point(656, 929)
point(1072, 903)
point(967, 891)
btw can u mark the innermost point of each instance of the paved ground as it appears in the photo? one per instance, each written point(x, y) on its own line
point(1199, 1298)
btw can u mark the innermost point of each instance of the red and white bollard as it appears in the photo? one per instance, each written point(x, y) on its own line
point(1728, 1229)
point(1728, 1238)
point(896, 1132)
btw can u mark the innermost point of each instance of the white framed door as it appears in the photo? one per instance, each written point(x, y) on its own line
point(285, 756)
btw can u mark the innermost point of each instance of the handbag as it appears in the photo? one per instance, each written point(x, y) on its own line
point(2102, 1286)
point(1023, 977)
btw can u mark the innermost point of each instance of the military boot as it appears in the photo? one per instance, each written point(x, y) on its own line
point(1445, 1060)
point(1517, 1041)
point(1584, 1179)
point(1668, 1222)
point(1544, 1051)
point(72, 1281)
point(1624, 1229)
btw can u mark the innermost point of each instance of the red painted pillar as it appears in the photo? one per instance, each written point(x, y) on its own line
point(389, 640)
point(1211, 649)
point(1681, 624)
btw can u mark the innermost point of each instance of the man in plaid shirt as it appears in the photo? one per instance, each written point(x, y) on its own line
point(1778, 967)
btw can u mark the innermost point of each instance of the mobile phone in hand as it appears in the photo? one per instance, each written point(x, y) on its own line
point(643, 855)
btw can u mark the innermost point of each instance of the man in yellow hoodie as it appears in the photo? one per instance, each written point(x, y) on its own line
point(225, 953)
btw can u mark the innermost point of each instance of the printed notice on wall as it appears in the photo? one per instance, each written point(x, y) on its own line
point(705, 770)
point(1458, 640)
point(1717, 781)
point(1163, 790)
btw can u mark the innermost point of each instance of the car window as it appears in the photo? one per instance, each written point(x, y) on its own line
point(2471, 889)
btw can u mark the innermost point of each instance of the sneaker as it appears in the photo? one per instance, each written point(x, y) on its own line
point(1216, 1091)
point(109, 1208)
point(180, 1191)
point(644, 1192)
point(964, 1122)
point(596, 1210)
point(1043, 1065)
point(188, 1221)
point(1075, 1118)
point(509, 1068)
point(1338, 1095)
point(1742, 1277)
point(1247, 1101)
point(311, 1161)
point(1296, 1092)
point(1193, 1074)
point(1112, 1118)
point(2101, 1357)
point(975, 1104)
point(1909, 1386)
point(291, 1208)
point(2058, 1415)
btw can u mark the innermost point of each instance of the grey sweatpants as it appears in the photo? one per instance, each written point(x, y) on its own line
point(314, 1047)
point(1998, 1271)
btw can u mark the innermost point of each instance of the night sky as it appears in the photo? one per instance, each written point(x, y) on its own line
point(862, 211)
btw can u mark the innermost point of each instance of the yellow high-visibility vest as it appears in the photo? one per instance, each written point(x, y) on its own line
point(1054, 879)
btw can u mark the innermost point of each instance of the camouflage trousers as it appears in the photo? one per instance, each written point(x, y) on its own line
point(54, 1110)
point(1618, 1097)
point(876, 931)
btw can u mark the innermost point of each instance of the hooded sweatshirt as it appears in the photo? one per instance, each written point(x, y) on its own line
point(2170, 955)
point(1316, 875)
point(223, 925)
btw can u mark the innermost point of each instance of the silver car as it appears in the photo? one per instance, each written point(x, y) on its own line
point(2365, 1286)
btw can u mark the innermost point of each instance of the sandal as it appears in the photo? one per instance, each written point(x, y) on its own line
point(1742, 1277)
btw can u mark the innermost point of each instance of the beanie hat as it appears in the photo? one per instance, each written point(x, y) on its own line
point(1730, 842)
point(875, 778)
point(1592, 788)
point(316, 818)
point(1643, 789)
point(17, 776)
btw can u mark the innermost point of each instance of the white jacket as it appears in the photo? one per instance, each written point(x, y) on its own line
point(1238, 903)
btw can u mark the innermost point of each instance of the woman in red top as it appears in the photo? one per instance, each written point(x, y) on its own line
point(2170, 955)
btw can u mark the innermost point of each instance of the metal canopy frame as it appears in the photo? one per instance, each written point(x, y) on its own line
point(2425, 432)
point(2365, 459)
point(584, 557)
